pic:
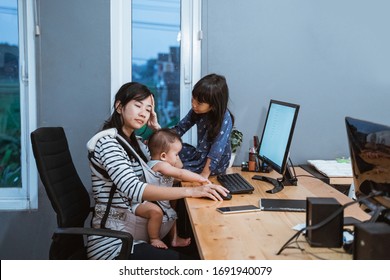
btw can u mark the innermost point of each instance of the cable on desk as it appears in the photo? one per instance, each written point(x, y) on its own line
point(327, 220)
point(295, 175)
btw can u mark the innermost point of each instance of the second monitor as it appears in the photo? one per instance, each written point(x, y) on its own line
point(275, 142)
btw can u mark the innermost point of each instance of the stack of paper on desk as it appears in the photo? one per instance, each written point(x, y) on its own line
point(333, 168)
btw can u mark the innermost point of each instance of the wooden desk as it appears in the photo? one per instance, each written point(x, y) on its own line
point(260, 235)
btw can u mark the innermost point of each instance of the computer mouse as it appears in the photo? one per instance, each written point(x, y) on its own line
point(227, 197)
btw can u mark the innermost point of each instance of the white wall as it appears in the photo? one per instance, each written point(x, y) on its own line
point(331, 57)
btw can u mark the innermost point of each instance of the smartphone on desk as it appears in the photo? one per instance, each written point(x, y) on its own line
point(238, 209)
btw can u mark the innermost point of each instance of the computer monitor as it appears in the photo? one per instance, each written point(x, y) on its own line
point(276, 139)
point(369, 145)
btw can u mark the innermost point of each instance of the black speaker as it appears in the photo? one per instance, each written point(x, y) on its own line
point(371, 241)
point(317, 210)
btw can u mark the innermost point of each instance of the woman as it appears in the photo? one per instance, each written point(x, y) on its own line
point(112, 165)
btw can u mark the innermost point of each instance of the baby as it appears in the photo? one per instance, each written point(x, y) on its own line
point(164, 146)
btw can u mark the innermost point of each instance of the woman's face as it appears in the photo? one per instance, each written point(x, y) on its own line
point(135, 114)
point(199, 107)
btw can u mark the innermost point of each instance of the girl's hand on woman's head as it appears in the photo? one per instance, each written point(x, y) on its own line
point(212, 191)
point(153, 122)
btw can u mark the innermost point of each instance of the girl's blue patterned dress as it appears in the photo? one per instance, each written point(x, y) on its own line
point(218, 150)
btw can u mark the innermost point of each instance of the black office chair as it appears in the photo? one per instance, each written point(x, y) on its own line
point(68, 196)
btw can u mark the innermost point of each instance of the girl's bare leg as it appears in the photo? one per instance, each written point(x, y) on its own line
point(177, 241)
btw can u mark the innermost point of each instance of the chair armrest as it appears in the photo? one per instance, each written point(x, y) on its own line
point(125, 237)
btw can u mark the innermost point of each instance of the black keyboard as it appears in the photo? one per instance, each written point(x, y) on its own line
point(235, 183)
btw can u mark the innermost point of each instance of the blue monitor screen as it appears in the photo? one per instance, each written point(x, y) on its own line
point(277, 134)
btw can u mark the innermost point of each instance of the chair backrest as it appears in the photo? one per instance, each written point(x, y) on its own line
point(66, 192)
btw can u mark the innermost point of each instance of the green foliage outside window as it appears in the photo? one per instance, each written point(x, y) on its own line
point(10, 165)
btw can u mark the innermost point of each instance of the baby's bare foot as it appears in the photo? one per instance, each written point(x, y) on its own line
point(181, 242)
point(158, 244)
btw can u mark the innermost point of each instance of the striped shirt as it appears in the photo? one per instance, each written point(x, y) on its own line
point(124, 172)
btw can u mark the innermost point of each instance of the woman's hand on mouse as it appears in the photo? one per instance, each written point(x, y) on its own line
point(212, 191)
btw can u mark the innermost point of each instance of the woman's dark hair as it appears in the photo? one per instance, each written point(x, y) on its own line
point(127, 92)
point(213, 90)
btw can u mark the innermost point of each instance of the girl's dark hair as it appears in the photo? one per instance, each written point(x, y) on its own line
point(213, 90)
point(127, 92)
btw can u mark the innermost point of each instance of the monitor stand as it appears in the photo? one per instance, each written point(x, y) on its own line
point(278, 186)
point(287, 180)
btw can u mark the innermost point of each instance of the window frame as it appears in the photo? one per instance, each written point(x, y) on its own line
point(190, 51)
point(26, 197)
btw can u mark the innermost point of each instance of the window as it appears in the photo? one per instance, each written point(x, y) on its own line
point(157, 43)
point(18, 176)
point(156, 54)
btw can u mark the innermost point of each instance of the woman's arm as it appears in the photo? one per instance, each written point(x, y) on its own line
point(214, 192)
point(114, 160)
